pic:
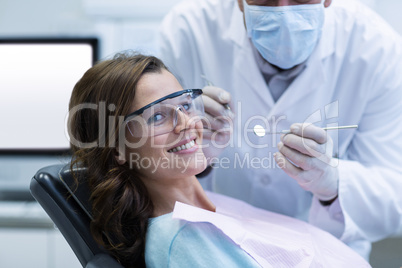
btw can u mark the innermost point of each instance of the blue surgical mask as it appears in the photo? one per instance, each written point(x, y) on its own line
point(284, 35)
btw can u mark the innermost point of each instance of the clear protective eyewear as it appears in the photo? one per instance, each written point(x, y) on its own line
point(161, 116)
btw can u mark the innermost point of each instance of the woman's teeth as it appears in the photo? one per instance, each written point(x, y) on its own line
point(182, 147)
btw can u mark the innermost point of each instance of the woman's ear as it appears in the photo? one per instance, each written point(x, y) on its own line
point(120, 157)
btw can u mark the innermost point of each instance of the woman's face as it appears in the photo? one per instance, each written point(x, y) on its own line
point(162, 156)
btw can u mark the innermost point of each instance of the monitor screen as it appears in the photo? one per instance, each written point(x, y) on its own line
point(36, 80)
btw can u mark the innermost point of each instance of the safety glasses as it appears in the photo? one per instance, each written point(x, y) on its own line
point(162, 115)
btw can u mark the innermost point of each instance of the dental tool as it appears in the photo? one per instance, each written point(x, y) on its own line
point(209, 83)
point(261, 132)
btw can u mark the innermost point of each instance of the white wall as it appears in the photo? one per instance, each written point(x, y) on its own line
point(121, 24)
point(43, 17)
point(390, 10)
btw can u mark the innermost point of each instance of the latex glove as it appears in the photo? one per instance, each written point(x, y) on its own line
point(218, 121)
point(305, 154)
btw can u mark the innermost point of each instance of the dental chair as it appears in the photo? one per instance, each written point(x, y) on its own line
point(68, 206)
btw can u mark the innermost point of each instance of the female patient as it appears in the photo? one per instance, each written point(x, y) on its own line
point(139, 134)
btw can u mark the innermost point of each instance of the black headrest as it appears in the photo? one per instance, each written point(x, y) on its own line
point(81, 193)
point(56, 191)
point(67, 204)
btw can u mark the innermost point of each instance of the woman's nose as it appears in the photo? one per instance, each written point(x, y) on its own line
point(184, 121)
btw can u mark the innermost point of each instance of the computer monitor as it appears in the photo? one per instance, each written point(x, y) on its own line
point(37, 76)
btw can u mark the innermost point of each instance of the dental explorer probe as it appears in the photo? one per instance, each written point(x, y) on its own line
point(261, 132)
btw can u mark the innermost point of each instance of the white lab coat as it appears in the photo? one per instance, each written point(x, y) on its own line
point(354, 76)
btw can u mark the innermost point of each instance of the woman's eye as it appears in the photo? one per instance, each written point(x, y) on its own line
point(155, 118)
point(187, 106)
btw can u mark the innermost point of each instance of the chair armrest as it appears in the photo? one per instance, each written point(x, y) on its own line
point(103, 261)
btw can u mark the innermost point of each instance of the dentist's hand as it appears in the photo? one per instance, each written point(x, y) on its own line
point(305, 154)
point(218, 121)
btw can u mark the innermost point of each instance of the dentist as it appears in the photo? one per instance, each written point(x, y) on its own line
point(287, 65)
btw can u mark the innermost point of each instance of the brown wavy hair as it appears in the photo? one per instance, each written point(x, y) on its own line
point(121, 205)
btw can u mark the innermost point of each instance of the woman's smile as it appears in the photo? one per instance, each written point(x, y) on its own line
point(185, 146)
